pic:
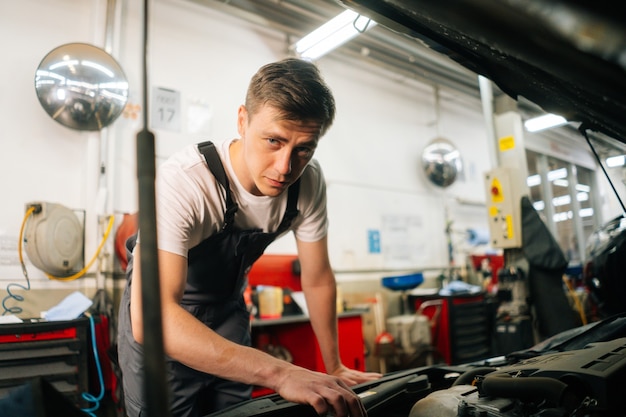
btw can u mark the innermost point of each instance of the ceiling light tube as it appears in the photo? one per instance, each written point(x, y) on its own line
point(546, 121)
point(332, 34)
point(615, 161)
point(557, 174)
point(533, 180)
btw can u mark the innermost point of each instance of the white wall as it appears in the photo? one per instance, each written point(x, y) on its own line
point(371, 155)
point(40, 160)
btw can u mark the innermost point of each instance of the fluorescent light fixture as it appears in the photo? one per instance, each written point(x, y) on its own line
point(64, 63)
point(586, 212)
point(332, 34)
point(539, 205)
point(584, 188)
point(566, 199)
point(561, 200)
point(568, 215)
point(533, 180)
point(544, 122)
point(562, 216)
point(451, 156)
point(557, 174)
point(98, 67)
point(615, 161)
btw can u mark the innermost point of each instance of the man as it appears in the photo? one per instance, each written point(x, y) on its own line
point(218, 208)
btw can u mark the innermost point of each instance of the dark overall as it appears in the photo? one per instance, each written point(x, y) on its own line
point(216, 280)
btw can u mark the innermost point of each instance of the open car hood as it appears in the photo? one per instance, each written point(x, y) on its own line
point(567, 57)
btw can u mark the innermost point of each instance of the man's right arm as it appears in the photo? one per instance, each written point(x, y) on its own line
point(192, 343)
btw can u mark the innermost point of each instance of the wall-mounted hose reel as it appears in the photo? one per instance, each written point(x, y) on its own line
point(54, 239)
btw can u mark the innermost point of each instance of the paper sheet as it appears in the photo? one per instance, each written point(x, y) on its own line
point(70, 308)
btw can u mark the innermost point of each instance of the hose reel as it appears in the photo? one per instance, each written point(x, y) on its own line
point(53, 238)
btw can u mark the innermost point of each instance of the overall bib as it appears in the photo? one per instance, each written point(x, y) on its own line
point(216, 280)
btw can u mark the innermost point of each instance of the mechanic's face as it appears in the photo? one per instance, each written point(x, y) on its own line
point(273, 151)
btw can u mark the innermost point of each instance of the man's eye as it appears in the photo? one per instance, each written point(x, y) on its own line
point(305, 152)
point(272, 141)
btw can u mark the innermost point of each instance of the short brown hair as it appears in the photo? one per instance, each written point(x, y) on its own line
point(296, 88)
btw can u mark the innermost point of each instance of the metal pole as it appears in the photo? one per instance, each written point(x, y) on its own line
point(155, 389)
point(486, 97)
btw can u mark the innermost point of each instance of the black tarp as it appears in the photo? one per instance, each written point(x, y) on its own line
point(546, 266)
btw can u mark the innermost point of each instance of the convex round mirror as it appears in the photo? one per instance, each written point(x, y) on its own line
point(81, 86)
point(441, 162)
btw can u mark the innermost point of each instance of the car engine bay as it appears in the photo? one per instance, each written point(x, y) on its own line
point(577, 373)
point(581, 382)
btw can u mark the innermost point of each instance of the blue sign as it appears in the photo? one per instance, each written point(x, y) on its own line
point(373, 238)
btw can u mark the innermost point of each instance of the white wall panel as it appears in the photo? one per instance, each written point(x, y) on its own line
point(371, 156)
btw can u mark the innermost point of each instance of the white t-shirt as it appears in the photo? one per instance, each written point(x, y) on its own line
point(190, 203)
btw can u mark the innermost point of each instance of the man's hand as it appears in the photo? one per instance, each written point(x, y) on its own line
point(353, 377)
point(327, 394)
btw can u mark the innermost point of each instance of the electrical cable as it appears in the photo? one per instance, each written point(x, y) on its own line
point(11, 295)
point(354, 25)
point(93, 259)
point(583, 130)
point(87, 396)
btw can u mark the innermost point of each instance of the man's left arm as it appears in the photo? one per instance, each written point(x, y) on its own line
point(320, 290)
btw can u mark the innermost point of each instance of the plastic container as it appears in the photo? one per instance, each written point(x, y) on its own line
point(270, 301)
point(403, 282)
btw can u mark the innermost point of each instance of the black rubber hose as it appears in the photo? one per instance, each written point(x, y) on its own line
point(501, 384)
point(467, 377)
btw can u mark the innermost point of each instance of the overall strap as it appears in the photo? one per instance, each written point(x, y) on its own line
point(217, 168)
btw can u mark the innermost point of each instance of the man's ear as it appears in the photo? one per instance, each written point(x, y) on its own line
point(242, 120)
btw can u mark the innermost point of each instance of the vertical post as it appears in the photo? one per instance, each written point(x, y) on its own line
point(155, 389)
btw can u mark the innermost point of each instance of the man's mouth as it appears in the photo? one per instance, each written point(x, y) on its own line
point(277, 184)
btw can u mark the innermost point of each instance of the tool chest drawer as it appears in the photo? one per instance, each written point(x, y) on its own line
point(55, 351)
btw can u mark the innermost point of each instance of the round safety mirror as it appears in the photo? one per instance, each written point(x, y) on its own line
point(441, 162)
point(81, 86)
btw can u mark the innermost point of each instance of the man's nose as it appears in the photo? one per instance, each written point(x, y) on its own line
point(283, 161)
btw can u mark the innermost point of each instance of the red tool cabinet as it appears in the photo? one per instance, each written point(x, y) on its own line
point(56, 351)
point(295, 335)
point(461, 325)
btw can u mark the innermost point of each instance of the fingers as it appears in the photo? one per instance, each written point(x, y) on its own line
point(328, 395)
point(340, 401)
point(352, 377)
